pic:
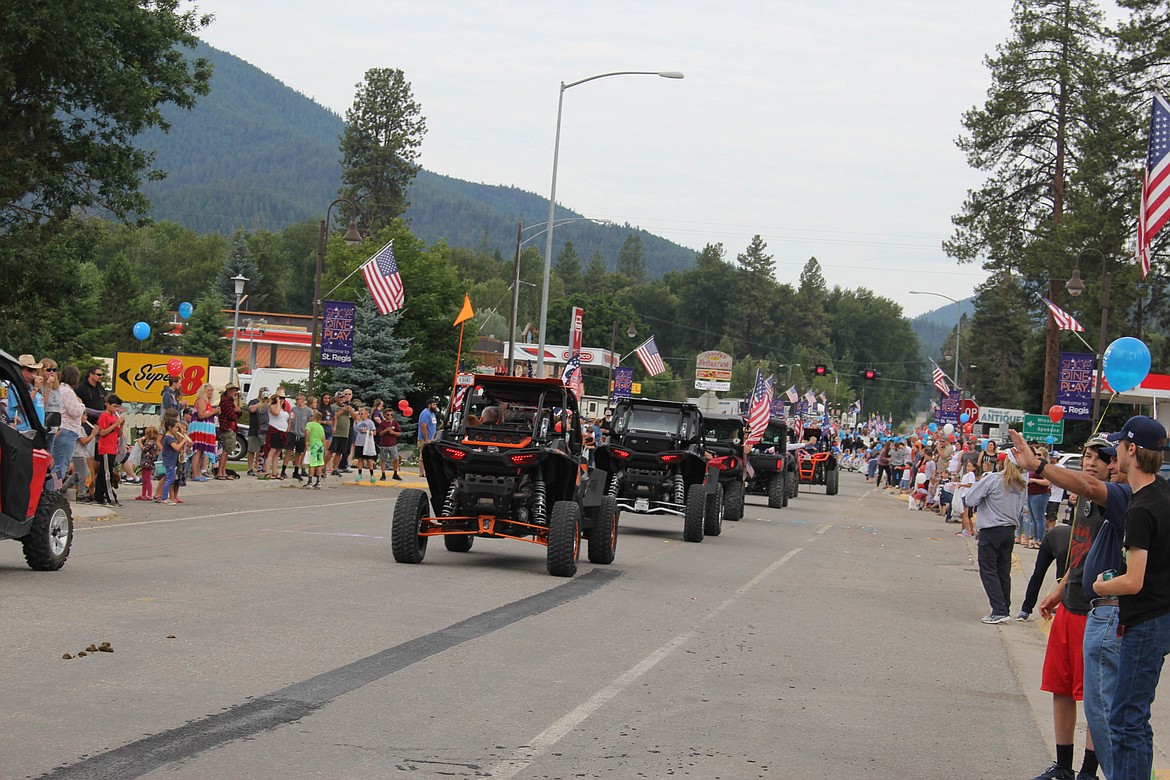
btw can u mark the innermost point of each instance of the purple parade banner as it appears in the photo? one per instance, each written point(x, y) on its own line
point(623, 382)
point(948, 408)
point(777, 407)
point(337, 323)
point(1074, 391)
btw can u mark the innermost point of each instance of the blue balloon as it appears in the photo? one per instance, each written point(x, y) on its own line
point(141, 331)
point(1051, 440)
point(964, 417)
point(1126, 363)
point(933, 427)
point(185, 309)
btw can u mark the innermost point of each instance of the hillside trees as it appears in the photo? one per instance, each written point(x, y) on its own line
point(74, 96)
point(384, 129)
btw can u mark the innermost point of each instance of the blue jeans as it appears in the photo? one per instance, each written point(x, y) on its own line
point(62, 451)
point(872, 468)
point(1101, 647)
point(1143, 651)
point(168, 480)
point(1037, 506)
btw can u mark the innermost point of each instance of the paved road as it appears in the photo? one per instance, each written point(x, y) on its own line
point(265, 631)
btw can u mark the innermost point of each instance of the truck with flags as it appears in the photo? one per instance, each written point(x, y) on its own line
point(772, 467)
point(657, 465)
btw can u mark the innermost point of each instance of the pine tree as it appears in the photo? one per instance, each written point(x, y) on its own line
point(756, 287)
point(380, 368)
point(239, 262)
point(203, 332)
point(1002, 322)
point(568, 267)
point(631, 259)
point(810, 309)
point(595, 272)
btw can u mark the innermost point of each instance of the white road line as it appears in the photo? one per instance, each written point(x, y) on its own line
point(229, 514)
point(544, 741)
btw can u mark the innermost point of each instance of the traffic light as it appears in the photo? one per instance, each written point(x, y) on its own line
point(870, 374)
point(820, 369)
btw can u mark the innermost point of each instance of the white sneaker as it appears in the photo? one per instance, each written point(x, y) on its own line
point(994, 619)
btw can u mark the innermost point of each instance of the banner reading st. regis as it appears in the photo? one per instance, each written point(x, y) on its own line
point(337, 333)
point(1074, 392)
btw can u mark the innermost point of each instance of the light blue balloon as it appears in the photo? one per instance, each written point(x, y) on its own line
point(185, 309)
point(141, 331)
point(1051, 440)
point(964, 417)
point(1126, 363)
point(933, 427)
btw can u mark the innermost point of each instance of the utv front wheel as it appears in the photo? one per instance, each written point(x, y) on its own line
point(47, 545)
point(564, 538)
point(603, 537)
point(693, 519)
point(408, 545)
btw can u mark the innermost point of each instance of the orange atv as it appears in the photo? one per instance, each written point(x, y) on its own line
point(508, 465)
point(29, 510)
point(817, 468)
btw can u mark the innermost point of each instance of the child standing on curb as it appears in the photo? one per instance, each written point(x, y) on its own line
point(173, 443)
point(315, 446)
point(150, 450)
point(109, 428)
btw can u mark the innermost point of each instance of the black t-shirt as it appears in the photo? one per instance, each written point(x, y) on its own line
point(1086, 523)
point(1147, 527)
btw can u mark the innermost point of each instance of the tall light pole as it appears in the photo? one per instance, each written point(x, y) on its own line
point(552, 198)
point(240, 280)
point(789, 366)
point(1075, 287)
point(958, 325)
point(352, 237)
point(520, 242)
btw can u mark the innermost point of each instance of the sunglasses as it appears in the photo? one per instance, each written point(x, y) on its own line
point(51, 370)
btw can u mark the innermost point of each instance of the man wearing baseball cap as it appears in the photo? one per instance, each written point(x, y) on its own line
point(1143, 593)
point(1104, 486)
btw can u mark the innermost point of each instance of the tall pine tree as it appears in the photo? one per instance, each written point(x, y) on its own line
point(380, 368)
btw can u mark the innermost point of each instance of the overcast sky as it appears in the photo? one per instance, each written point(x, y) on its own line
point(826, 126)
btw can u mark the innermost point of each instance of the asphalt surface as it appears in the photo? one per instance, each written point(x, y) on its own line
point(260, 630)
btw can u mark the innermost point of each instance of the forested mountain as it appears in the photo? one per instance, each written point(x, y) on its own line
point(256, 154)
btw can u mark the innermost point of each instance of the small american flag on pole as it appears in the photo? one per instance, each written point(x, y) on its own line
point(1064, 320)
point(940, 379)
point(571, 368)
point(381, 272)
point(759, 410)
point(792, 395)
point(651, 360)
point(1155, 208)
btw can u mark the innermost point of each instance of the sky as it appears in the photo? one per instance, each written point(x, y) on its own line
point(828, 127)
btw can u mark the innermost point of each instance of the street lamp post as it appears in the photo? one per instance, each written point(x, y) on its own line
point(520, 242)
point(631, 332)
point(252, 325)
point(240, 280)
point(789, 366)
point(958, 325)
point(1075, 287)
point(352, 237)
point(552, 198)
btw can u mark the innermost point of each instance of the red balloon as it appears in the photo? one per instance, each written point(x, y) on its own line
point(408, 412)
point(175, 367)
point(403, 405)
point(968, 427)
point(950, 437)
point(1056, 413)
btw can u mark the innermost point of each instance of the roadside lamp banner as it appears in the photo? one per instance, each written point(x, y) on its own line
point(337, 333)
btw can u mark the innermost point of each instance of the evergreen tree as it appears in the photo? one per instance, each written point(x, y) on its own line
point(756, 287)
point(384, 129)
point(239, 262)
point(380, 368)
point(595, 272)
point(810, 309)
point(631, 259)
point(203, 332)
point(568, 267)
point(1002, 322)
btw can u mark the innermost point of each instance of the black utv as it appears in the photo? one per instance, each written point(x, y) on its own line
point(723, 438)
point(773, 467)
point(508, 465)
point(656, 465)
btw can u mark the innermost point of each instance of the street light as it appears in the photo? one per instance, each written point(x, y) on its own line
point(352, 237)
point(631, 332)
point(240, 280)
point(552, 198)
point(958, 325)
point(789, 366)
point(520, 242)
point(1075, 287)
point(252, 325)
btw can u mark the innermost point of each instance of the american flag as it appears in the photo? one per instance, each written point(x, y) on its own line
point(572, 367)
point(759, 409)
point(821, 396)
point(651, 360)
point(381, 272)
point(457, 403)
point(798, 429)
point(811, 397)
point(1155, 209)
point(940, 379)
point(1064, 320)
point(792, 395)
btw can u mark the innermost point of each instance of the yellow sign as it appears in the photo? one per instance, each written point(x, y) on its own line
point(713, 373)
point(635, 388)
point(140, 377)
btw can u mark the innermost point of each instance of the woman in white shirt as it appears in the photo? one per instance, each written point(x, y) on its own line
point(279, 420)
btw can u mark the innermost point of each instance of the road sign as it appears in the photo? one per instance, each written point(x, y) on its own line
point(971, 408)
point(994, 415)
point(712, 384)
point(1037, 427)
point(713, 373)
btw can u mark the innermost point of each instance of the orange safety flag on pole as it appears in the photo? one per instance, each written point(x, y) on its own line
point(466, 312)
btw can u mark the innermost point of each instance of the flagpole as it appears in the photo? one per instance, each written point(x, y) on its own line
point(455, 379)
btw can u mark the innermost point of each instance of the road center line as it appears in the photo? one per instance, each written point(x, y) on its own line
point(545, 740)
